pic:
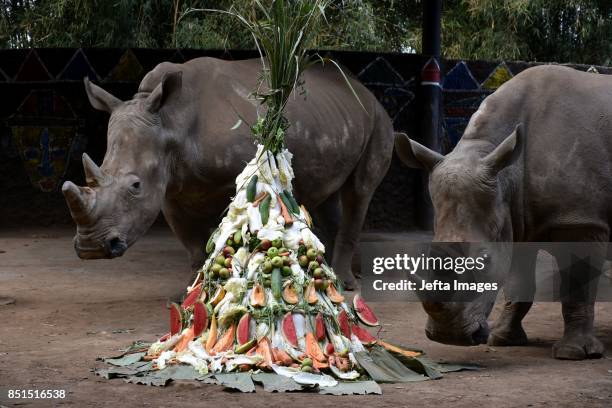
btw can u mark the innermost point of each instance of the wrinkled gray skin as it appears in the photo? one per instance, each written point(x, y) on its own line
point(533, 165)
point(172, 148)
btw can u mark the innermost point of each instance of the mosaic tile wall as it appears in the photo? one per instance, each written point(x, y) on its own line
point(46, 121)
point(467, 83)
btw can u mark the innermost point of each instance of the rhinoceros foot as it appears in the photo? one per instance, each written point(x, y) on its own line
point(578, 347)
point(507, 336)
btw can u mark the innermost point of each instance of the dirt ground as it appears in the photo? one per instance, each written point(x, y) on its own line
point(68, 312)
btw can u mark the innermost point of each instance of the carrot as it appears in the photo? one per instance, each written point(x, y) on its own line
point(312, 348)
point(227, 340)
point(185, 339)
point(284, 211)
point(264, 349)
point(260, 198)
point(275, 355)
point(398, 350)
point(281, 357)
point(212, 335)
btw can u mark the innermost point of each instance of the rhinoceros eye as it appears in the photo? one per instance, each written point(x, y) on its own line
point(135, 188)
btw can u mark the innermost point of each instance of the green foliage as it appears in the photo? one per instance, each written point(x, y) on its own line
point(283, 31)
point(355, 24)
point(14, 19)
point(541, 30)
point(534, 30)
point(283, 35)
point(87, 23)
point(210, 30)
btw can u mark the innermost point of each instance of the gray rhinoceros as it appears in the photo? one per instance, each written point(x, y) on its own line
point(174, 147)
point(534, 164)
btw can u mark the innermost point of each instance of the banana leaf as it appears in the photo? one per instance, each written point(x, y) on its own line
point(125, 360)
point(276, 383)
point(237, 381)
point(384, 368)
point(353, 388)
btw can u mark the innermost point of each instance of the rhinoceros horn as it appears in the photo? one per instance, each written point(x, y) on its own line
point(94, 176)
point(81, 201)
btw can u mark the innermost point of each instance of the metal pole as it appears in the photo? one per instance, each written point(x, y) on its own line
point(432, 17)
point(432, 95)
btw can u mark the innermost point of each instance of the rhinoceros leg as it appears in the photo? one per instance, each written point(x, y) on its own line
point(508, 329)
point(356, 194)
point(194, 244)
point(578, 290)
point(354, 209)
point(327, 218)
point(519, 291)
point(578, 341)
point(192, 228)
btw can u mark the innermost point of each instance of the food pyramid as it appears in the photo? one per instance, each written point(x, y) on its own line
point(266, 299)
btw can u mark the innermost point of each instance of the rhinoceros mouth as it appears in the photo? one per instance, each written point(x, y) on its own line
point(116, 247)
point(472, 335)
point(105, 249)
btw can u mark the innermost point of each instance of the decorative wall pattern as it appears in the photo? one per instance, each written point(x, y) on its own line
point(43, 130)
point(391, 89)
point(46, 121)
point(467, 83)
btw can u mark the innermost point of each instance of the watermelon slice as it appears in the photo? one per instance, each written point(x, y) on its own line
point(176, 319)
point(192, 296)
point(345, 325)
point(320, 327)
point(288, 330)
point(200, 318)
point(244, 329)
point(363, 335)
point(363, 311)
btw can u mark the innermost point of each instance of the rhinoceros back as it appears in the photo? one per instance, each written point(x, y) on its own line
point(566, 164)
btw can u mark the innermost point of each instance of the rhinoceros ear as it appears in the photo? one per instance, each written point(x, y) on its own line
point(169, 86)
point(414, 154)
point(507, 152)
point(99, 98)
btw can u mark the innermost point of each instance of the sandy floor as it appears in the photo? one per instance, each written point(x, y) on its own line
point(68, 312)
